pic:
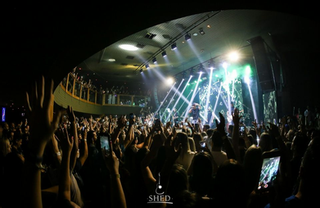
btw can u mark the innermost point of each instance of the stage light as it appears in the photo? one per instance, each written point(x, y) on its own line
point(154, 60)
point(233, 56)
point(247, 80)
point(225, 65)
point(187, 37)
point(147, 66)
point(169, 81)
point(201, 31)
point(174, 46)
point(234, 75)
point(164, 54)
point(210, 65)
point(128, 47)
point(248, 70)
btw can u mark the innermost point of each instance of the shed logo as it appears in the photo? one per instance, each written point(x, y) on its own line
point(159, 197)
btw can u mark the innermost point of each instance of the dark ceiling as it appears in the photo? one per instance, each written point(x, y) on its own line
point(53, 39)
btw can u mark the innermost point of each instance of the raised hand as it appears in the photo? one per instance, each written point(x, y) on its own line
point(71, 115)
point(236, 117)
point(221, 125)
point(273, 130)
point(66, 142)
point(171, 152)
point(121, 122)
point(43, 122)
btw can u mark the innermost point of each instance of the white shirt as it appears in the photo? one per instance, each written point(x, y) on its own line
point(219, 156)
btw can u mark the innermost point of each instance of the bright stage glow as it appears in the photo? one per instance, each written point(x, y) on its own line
point(225, 65)
point(169, 81)
point(247, 80)
point(234, 75)
point(248, 70)
point(233, 56)
point(192, 98)
point(253, 104)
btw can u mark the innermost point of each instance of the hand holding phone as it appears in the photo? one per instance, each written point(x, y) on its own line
point(269, 170)
point(202, 144)
point(105, 142)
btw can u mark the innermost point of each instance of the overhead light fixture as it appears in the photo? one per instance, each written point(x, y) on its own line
point(174, 46)
point(147, 66)
point(201, 31)
point(187, 36)
point(128, 47)
point(141, 71)
point(111, 60)
point(154, 60)
point(164, 54)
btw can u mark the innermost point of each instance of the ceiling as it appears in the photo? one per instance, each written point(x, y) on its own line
point(52, 40)
point(224, 31)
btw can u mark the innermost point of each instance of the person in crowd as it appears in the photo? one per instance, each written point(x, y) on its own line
point(219, 155)
point(187, 154)
point(202, 178)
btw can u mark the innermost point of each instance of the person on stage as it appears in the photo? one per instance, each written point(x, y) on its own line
point(175, 116)
point(195, 112)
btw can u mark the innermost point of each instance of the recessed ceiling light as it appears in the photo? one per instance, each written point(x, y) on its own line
point(128, 47)
point(111, 60)
point(195, 34)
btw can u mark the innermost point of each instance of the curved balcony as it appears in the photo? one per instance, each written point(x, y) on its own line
point(85, 100)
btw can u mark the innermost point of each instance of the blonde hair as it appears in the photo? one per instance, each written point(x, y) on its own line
point(4, 146)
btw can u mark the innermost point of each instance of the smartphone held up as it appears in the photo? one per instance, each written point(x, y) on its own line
point(105, 140)
point(269, 170)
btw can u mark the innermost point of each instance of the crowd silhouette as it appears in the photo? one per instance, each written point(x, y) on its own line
point(55, 159)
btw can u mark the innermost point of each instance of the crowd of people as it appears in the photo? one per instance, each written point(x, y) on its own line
point(57, 159)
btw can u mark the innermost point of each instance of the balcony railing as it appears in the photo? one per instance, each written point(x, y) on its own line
point(76, 89)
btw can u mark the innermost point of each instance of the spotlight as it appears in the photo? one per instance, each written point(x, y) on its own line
point(247, 80)
point(164, 54)
point(233, 56)
point(141, 71)
point(147, 66)
point(210, 66)
point(200, 70)
point(187, 36)
point(154, 60)
point(201, 31)
point(173, 46)
point(169, 81)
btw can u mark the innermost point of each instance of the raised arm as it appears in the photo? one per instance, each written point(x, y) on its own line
point(118, 199)
point(85, 154)
point(150, 181)
point(235, 134)
point(64, 176)
point(43, 124)
point(74, 134)
point(226, 143)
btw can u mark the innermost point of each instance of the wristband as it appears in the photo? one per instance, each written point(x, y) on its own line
point(35, 161)
point(33, 158)
point(39, 166)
